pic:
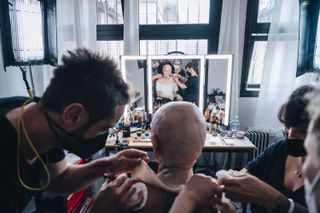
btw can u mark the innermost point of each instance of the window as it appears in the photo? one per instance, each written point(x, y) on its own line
point(174, 11)
point(109, 12)
point(259, 16)
point(265, 11)
point(29, 47)
point(28, 32)
point(190, 47)
point(188, 26)
point(317, 48)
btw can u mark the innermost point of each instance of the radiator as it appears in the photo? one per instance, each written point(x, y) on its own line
point(260, 139)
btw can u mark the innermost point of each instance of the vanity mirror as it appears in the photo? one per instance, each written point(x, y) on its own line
point(218, 88)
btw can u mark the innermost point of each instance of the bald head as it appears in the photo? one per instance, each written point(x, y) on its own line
point(180, 129)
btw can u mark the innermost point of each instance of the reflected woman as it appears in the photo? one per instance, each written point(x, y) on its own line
point(191, 86)
point(166, 88)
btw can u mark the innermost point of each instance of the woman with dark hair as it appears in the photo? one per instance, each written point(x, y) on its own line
point(191, 86)
point(278, 184)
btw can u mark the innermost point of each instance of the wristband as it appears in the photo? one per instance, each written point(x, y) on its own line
point(291, 206)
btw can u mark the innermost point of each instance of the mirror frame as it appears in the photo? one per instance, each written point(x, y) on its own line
point(201, 58)
point(229, 81)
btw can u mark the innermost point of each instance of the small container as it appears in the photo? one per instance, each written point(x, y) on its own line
point(139, 135)
point(240, 134)
point(229, 133)
point(126, 132)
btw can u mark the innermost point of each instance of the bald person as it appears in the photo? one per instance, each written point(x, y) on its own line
point(176, 151)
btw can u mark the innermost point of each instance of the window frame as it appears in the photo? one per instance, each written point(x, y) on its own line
point(49, 35)
point(254, 31)
point(210, 31)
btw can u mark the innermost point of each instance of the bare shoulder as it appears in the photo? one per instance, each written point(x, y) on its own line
point(160, 80)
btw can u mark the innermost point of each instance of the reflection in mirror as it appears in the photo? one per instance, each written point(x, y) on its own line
point(218, 89)
point(133, 71)
point(175, 78)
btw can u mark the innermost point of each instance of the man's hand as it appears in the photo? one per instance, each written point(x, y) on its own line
point(201, 190)
point(248, 188)
point(115, 196)
point(121, 162)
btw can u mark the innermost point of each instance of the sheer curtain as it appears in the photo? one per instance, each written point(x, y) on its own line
point(280, 65)
point(231, 38)
point(76, 25)
point(232, 29)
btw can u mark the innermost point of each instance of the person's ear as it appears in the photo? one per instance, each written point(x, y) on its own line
point(156, 147)
point(74, 116)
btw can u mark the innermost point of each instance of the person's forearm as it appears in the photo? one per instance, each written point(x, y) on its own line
point(181, 85)
point(183, 204)
point(77, 177)
point(282, 204)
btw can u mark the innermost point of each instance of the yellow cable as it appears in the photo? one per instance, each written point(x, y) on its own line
point(21, 123)
point(30, 92)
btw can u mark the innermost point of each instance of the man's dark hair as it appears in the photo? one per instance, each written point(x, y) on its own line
point(88, 78)
point(294, 113)
point(192, 65)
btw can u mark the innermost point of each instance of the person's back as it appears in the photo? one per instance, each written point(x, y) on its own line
point(160, 201)
point(176, 150)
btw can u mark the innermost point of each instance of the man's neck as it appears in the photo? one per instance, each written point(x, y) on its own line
point(174, 176)
point(37, 129)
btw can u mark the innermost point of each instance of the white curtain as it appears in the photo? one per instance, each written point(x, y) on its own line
point(232, 29)
point(231, 38)
point(76, 25)
point(280, 65)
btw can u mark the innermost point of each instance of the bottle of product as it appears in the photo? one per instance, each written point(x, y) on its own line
point(207, 114)
point(235, 124)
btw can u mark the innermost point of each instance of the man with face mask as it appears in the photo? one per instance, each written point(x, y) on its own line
point(85, 97)
point(311, 166)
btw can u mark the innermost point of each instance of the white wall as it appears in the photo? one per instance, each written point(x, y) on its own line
point(11, 83)
point(247, 111)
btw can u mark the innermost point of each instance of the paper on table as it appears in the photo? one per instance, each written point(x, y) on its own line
point(212, 140)
point(229, 141)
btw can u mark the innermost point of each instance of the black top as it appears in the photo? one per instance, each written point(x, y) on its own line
point(183, 74)
point(191, 93)
point(270, 167)
point(13, 196)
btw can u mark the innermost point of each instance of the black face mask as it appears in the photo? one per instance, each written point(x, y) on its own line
point(295, 147)
point(81, 147)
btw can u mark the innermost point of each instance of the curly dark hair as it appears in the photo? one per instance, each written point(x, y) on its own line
point(88, 78)
point(294, 113)
point(193, 65)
